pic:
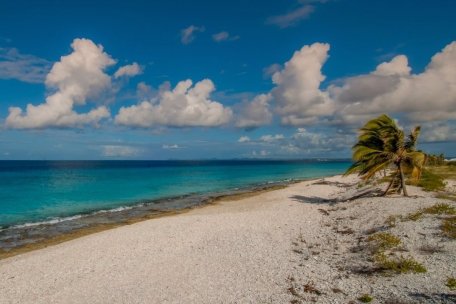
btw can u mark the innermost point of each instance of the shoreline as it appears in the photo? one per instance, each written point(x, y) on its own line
point(210, 200)
point(302, 243)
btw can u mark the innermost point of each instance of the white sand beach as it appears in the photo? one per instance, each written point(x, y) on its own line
point(282, 246)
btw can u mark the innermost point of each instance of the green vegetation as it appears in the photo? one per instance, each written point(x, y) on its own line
point(392, 220)
point(365, 298)
point(417, 215)
point(381, 144)
point(448, 171)
point(448, 227)
point(437, 209)
point(398, 264)
point(435, 160)
point(440, 209)
point(429, 181)
point(384, 241)
point(451, 283)
point(451, 197)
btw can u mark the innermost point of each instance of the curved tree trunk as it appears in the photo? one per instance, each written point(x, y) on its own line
point(393, 178)
point(402, 179)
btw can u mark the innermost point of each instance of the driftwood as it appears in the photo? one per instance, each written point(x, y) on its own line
point(337, 184)
point(375, 192)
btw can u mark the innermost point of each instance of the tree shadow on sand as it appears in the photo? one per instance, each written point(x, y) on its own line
point(331, 183)
point(372, 192)
point(312, 199)
point(434, 297)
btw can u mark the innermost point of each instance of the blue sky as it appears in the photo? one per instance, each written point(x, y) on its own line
point(269, 79)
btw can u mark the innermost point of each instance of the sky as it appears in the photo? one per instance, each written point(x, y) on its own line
point(288, 79)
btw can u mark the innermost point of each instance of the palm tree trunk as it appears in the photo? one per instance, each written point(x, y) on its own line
point(402, 179)
point(393, 178)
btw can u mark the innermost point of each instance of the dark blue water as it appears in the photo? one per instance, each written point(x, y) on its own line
point(35, 191)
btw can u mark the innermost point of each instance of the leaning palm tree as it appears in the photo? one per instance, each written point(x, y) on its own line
point(382, 144)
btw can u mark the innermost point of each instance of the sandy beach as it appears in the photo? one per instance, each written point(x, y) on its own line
point(301, 244)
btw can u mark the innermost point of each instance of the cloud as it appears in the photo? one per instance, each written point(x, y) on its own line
point(305, 142)
point(26, 68)
point(244, 139)
point(270, 70)
point(271, 138)
point(397, 66)
point(128, 70)
point(75, 78)
point(261, 153)
point(427, 96)
point(186, 105)
point(188, 34)
point(119, 151)
point(297, 93)
point(438, 132)
point(171, 147)
point(291, 18)
point(144, 91)
point(224, 36)
point(255, 113)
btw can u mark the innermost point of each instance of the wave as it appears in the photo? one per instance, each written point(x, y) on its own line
point(31, 232)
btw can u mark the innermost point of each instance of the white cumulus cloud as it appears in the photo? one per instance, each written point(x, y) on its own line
point(300, 100)
point(255, 113)
point(426, 96)
point(186, 105)
point(297, 93)
point(75, 78)
point(397, 66)
point(128, 70)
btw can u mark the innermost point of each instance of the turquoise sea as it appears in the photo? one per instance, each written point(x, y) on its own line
point(34, 193)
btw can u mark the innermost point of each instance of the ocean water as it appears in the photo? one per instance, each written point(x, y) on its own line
point(49, 191)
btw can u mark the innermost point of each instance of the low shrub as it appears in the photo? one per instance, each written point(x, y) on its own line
point(384, 241)
point(430, 181)
point(365, 298)
point(448, 227)
point(399, 264)
point(451, 283)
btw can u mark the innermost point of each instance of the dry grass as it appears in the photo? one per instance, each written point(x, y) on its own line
point(437, 209)
point(447, 172)
point(365, 298)
point(383, 241)
point(447, 196)
point(430, 181)
point(448, 227)
point(310, 288)
point(391, 220)
point(399, 264)
point(451, 283)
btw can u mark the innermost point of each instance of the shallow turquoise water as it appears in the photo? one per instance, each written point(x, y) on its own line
point(32, 191)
